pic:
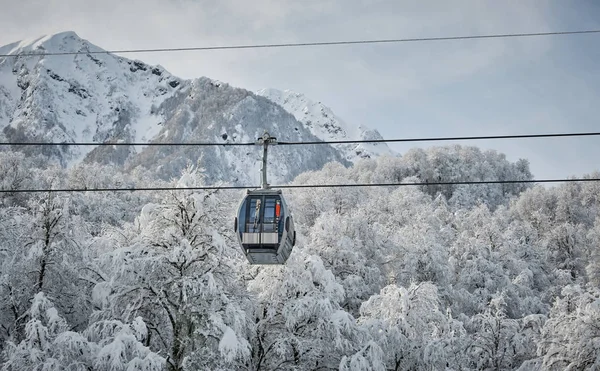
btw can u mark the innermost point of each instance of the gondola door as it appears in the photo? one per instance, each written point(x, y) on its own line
point(262, 229)
point(252, 229)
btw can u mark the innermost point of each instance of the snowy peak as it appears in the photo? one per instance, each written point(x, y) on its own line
point(318, 118)
point(92, 96)
point(63, 42)
point(324, 124)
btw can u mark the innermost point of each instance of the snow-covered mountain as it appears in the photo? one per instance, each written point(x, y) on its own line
point(96, 96)
point(324, 124)
point(75, 98)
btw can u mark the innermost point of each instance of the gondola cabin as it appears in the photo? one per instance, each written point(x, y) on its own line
point(265, 228)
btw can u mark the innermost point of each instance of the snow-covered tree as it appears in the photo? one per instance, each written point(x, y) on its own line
point(42, 254)
point(36, 350)
point(370, 357)
point(347, 250)
point(18, 172)
point(412, 329)
point(102, 209)
point(300, 324)
point(494, 341)
point(119, 346)
point(173, 268)
point(593, 265)
point(570, 338)
point(105, 346)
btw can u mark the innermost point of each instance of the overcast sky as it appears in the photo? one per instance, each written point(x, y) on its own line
point(452, 88)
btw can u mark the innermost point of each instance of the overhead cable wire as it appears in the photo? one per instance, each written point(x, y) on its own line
point(307, 44)
point(138, 189)
point(438, 139)
point(152, 144)
point(300, 186)
point(290, 143)
point(439, 183)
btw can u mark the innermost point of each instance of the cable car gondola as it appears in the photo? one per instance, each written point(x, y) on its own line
point(264, 225)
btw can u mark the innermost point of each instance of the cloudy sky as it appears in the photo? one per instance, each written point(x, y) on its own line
point(452, 88)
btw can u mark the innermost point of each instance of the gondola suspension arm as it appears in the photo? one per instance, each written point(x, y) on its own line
point(265, 140)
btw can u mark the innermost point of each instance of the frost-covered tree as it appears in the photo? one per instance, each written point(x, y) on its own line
point(593, 264)
point(300, 324)
point(347, 250)
point(494, 341)
point(43, 254)
point(48, 233)
point(369, 357)
point(419, 239)
point(36, 350)
point(15, 283)
point(570, 338)
point(412, 329)
point(310, 203)
point(478, 272)
point(119, 346)
point(18, 172)
point(526, 341)
point(105, 209)
point(105, 346)
point(459, 163)
point(173, 268)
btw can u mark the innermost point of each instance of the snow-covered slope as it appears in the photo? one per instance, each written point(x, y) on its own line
point(209, 111)
point(324, 124)
point(95, 97)
point(74, 98)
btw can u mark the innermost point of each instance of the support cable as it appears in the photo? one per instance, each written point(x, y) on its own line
point(299, 186)
point(290, 143)
point(303, 44)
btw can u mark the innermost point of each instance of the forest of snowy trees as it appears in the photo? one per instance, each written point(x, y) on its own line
point(470, 277)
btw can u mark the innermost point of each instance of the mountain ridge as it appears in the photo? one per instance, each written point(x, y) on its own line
point(324, 124)
point(98, 97)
